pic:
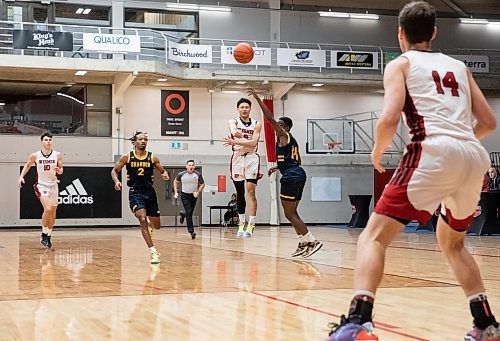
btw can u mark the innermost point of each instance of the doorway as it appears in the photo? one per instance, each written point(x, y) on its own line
point(170, 207)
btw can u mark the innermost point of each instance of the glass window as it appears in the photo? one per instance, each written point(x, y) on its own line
point(180, 24)
point(82, 15)
point(33, 108)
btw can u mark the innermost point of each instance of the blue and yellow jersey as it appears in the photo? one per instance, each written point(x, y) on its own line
point(140, 171)
point(288, 156)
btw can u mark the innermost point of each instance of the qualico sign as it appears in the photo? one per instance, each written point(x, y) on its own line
point(111, 43)
point(187, 53)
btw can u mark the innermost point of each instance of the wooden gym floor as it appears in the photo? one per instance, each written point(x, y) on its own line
point(97, 284)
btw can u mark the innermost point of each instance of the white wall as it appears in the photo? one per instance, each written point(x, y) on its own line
point(209, 113)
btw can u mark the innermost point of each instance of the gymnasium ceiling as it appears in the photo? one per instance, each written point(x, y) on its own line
point(488, 9)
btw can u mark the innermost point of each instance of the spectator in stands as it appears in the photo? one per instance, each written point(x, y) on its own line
point(232, 210)
point(493, 180)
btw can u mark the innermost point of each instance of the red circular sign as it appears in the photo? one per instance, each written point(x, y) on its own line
point(172, 110)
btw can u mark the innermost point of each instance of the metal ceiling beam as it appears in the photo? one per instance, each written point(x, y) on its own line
point(451, 4)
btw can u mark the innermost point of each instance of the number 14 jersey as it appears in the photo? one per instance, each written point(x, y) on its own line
point(438, 98)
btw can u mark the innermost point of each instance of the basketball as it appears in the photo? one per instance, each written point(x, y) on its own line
point(243, 53)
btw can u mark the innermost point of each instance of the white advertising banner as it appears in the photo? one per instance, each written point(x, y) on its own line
point(301, 57)
point(187, 53)
point(111, 43)
point(262, 56)
point(479, 64)
point(354, 59)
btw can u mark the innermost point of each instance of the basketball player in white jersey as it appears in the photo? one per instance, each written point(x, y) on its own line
point(48, 165)
point(444, 163)
point(245, 163)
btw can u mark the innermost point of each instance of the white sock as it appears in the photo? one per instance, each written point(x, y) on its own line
point(301, 238)
point(364, 293)
point(44, 229)
point(309, 237)
point(152, 249)
point(480, 296)
point(49, 232)
point(242, 218)
point(251, 220)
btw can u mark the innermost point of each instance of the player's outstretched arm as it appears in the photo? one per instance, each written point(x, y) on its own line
point(267, 114)
point(26, 168)
point(481, 110)
point(116, 169)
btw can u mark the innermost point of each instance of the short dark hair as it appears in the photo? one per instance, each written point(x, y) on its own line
point(417, 19)
point(45, 135)
point(188, 161)
point(288, 121)
point(243, 100)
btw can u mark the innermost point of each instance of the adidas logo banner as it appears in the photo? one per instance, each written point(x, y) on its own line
point(84, 192)
point(75, 194)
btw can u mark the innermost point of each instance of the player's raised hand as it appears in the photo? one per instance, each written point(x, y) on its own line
point(20, 182)
point(118, 186)
point(251, 92)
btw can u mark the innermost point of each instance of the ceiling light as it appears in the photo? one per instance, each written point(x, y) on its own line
point(87, 11)
point(80, 73)
point(364, 16)
point(183, 6)
point(45, 2)
point(241, 82)
point(494, 23)
point(162, 79)
point(89, 104)
point(2, 104)
point(473, 21)
point(334, 14)
point(231, 91)
point(317, 84)
point(215, 8)
point(70, 97)
point(79, 11)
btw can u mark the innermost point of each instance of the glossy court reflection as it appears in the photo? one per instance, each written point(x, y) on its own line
point(217, 287)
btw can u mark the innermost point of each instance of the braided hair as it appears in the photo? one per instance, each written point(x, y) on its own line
point(136, 134)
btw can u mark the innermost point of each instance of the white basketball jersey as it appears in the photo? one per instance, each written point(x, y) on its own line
point(438, 99)
point(45, 168)
point(247, 130)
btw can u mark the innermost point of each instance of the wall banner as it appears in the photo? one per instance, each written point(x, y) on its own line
point(84, 192)
point(262, 56)
point(42, 40)
point(111, 43)
point(187, 53)
point(354, 59)
point(302, 57)
point(174, 113)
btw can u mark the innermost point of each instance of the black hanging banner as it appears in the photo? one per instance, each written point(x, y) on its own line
point(43, 40)
point(84, 192)
point(174, 113)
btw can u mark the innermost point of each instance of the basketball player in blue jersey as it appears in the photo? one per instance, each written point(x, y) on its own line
point(140, 165)
point(443, 164)
point(293, 179)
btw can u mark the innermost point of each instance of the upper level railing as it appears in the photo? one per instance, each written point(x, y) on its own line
point(154, 46)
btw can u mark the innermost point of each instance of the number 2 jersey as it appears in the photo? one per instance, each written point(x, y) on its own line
point(140, 171)
point(438, 97)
